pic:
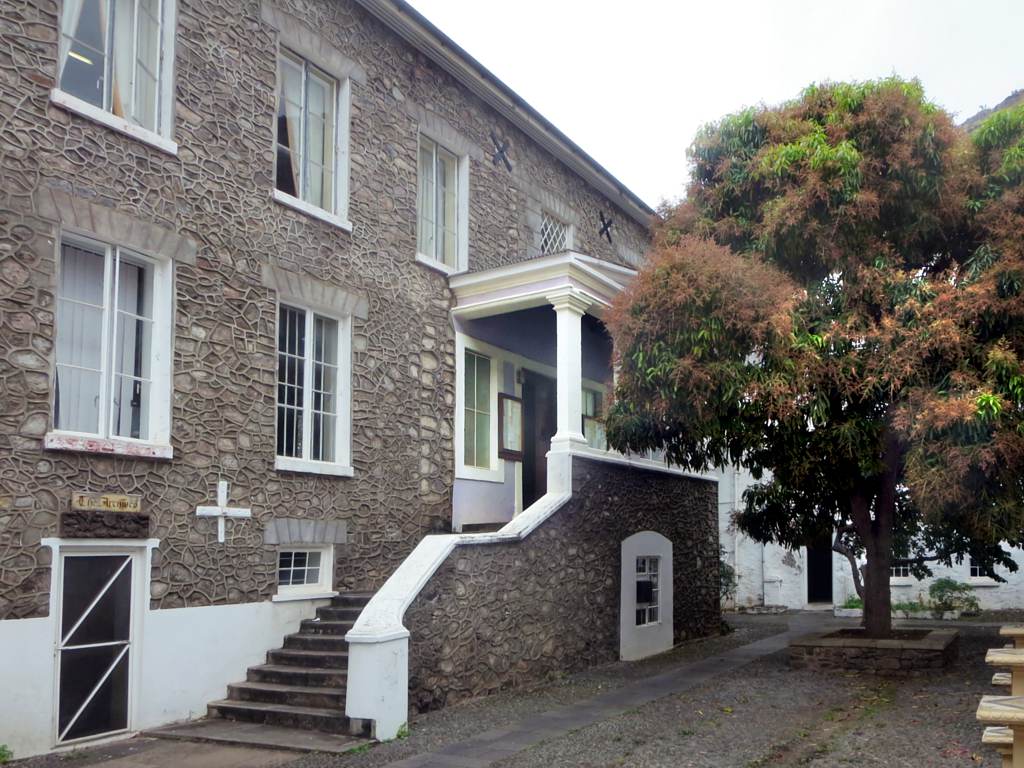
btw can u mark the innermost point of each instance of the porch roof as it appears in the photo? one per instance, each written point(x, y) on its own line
point(531, 283)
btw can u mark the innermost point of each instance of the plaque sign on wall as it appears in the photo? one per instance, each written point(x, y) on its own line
point(105, 502)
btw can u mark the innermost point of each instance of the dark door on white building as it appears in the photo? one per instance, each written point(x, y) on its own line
point(540, 422)
point(95, 645)
point(819, 572)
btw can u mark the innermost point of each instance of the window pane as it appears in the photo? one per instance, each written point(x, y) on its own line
point(469, 439)
point(483, 440)
point(426, 201)
point(132, 349)
point(147, 64)
point(83, 49)
point(321, 98)
point(291, 351)
point(79, 319)
point(289, 126)
point(483, 384)
point(447, 207)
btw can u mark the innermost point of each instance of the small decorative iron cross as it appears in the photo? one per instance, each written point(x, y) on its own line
point(222, 510)
point(606, 226)
point(500, 151)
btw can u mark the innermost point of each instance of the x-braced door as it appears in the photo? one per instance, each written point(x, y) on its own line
point(95, 645)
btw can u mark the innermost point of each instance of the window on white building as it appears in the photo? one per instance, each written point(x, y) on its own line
point(554, 234)
point(311, 135)
point(899, 572)
point(477, 411)
point(116, 56)
point(976, 570)
point(113, 330)
point(312, 384)
point(438, 204)
point(647, 591)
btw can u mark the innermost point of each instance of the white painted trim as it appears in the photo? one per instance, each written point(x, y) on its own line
point(638, 642)
point(80, 443)
point(92, 112)
point(439, 266)
point(311, 210)
point(287, 597)
point(306, 466)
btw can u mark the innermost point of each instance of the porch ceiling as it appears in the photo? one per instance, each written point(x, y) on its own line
point(530, 283)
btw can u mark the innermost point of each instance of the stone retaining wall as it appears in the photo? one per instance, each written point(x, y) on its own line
point(937, 650)
point(497, 616)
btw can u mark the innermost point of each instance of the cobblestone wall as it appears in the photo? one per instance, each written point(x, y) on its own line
point(217, 194)
point(498, 616)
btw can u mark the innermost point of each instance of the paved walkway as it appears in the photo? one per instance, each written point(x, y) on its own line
point(499, 743)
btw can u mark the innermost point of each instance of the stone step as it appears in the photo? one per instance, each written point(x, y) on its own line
point(351, 599)
point(325, 627)
point(298, 657)
point(312, 641)
point(306, 718)
point(338, 613)
point(293, 695)
point(288, 675)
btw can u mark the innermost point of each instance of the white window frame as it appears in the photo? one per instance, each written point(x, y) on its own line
point(342, 111)
point(567, 245)
point(495, 473)
point(342, 465)
point(321, 589)
point(158, 444)
point(978, 581)
point(462, 210)
point(162, 138)
point(657, 603)
point(898, 578)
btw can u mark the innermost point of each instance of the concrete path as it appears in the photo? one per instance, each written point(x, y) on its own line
point(491, 746)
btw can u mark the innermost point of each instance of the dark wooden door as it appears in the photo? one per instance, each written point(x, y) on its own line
point(540, 416)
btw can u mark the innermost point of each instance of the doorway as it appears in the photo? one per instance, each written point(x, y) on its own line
point(540, 421)
point(819, 571)
point(95, 645)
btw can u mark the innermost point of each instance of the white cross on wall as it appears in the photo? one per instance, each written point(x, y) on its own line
point(222, 510)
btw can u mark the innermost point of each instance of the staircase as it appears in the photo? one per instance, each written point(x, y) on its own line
point(302, 685)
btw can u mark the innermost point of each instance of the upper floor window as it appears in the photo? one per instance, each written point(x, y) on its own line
point(554, 234)
point(113, 330)
point(116, 55)
point(312, 125)
point(312, 391)
point(439, 205)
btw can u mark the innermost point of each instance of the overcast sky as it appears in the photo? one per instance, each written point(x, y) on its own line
point(631, 82)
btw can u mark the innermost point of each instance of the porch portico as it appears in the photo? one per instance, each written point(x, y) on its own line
point(504, 321)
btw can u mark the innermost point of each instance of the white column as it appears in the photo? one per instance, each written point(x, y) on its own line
point(570, 306)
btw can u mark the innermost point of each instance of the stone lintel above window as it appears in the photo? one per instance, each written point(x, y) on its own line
point(316, 294)
point(287, 531)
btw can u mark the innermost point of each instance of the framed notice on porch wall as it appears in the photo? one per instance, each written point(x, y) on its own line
point(510, 427)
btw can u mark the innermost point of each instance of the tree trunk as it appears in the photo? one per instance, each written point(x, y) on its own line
point(877, 595)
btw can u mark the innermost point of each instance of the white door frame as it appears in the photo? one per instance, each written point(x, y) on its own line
point(140, 551)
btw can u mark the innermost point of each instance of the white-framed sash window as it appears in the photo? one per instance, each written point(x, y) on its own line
point(113, 329)
point(593, 419)
point(648, 591)
point(476, 411)
point(313, 391)
point(311, 168)
point(116, 58)
point(304, 570)
point(442, 206)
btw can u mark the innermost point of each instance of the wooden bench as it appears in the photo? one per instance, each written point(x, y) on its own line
point(1008, 712)
point(1001, 739)
point(1014, 659)
point(1015, 632)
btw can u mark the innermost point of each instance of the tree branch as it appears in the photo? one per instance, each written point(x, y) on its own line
point(842, 549)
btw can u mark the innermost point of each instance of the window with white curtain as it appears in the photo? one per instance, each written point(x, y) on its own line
point(307, 166)
point(312, 383)
point(112, 327)
point(115, 55)
point(438, 204)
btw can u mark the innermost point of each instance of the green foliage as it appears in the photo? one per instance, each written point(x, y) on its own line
point(951, 595)
point(726, 577)
point(6, 755)
point(853, 602)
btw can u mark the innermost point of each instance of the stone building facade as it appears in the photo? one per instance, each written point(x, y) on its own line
point(196, 194)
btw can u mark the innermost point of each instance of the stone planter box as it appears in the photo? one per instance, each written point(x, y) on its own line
point(911, 652)
point(856, 613)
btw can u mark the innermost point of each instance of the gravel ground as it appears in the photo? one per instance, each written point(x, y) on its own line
point(766, 715)
point(437, 729)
